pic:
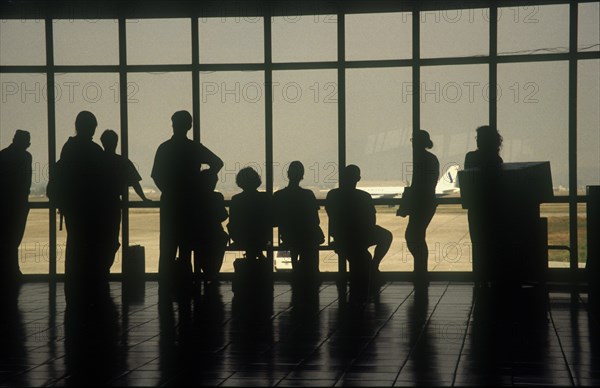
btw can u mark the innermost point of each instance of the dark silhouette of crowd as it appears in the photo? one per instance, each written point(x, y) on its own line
point(88, 184)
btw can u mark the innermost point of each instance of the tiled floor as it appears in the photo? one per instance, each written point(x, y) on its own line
point(395, 335)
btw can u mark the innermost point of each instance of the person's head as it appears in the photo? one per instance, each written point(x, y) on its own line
point(182, 122)
point(22, 139)
point(248, 179)
point(85, 124)
point(109, 139)
point(421, 140)
point(295, 172)
point(488, 139)
point(208, 179)
point(350, 176)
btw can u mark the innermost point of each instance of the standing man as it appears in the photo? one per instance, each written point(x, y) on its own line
point(15, 180)
point(80, 188)
point(176, 169)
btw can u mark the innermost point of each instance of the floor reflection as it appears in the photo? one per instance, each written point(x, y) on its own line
point(286, 334)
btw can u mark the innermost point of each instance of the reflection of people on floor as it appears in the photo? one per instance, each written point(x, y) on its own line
point(296, 215)
point(92, 346)
point(175, 171)
point(15, 180)
point(352, 224)
point(485, 211)
point(423, 202)
point(126, 176)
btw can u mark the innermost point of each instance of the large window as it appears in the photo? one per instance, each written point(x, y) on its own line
point(319, 87)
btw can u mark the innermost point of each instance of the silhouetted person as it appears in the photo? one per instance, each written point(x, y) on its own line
point(126, 175)
point(211, 241)
point(80, 188)
point(423, 202)
point(485, 209)
point(176, 167)
point(352, 224)
point(296, 215)
point(15, 180)
point(250, 224)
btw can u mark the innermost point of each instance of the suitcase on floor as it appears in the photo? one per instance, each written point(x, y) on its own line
point(134, 264)
point(252, 274)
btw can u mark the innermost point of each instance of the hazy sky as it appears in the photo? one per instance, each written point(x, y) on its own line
point(532, 109)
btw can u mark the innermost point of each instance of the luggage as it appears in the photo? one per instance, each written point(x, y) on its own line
point(252, 274)
point(134, 263)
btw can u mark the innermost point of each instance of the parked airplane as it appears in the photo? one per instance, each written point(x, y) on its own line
point(447, 184)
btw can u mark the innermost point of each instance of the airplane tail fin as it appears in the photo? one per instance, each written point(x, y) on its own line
point(448, 181)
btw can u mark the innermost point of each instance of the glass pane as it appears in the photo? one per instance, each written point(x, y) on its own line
point(22, 42)
point(304, 38)
point(24, 106)
point(448, 240)
point(454, 102)
point(305, 124)
point(144, 230)
point(379, 124)
point(159, 41)
point(231, 40)
point(533, 116)
point(533, 30)
point(442, 30)
point(582, 239)
point(152, 100)
point(588, 36)
point(558, 233)
point(588, 124)
point(232, 123)
point(76, 92)
point(94, 92)
point(378, 36)
point(86, 42)
point(588, 142)
point(34, 252)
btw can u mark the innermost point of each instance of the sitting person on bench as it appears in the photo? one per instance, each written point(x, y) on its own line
point(352, 224)
point(250, 225)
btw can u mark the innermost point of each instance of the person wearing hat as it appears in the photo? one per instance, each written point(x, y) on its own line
point(423, 202)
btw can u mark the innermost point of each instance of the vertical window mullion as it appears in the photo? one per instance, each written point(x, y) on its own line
point(416, 73)
point(195, 79)
point(51, 140)
point(268, 109)
point(493, 66)
point(341, 75)
point(124, 129)
point(573, 245)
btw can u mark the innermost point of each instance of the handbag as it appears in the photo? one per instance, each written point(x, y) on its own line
point(406, 202)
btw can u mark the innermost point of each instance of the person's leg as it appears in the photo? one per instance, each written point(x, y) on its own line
point(383, 240)
point(168, 242)
point(416, 239)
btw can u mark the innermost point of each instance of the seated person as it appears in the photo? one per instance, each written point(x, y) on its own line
point(296, 215)
point(250, 225)
point(352, 223)
point(211, 243)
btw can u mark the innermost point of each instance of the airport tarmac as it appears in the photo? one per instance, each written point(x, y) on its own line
point(447, 237)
